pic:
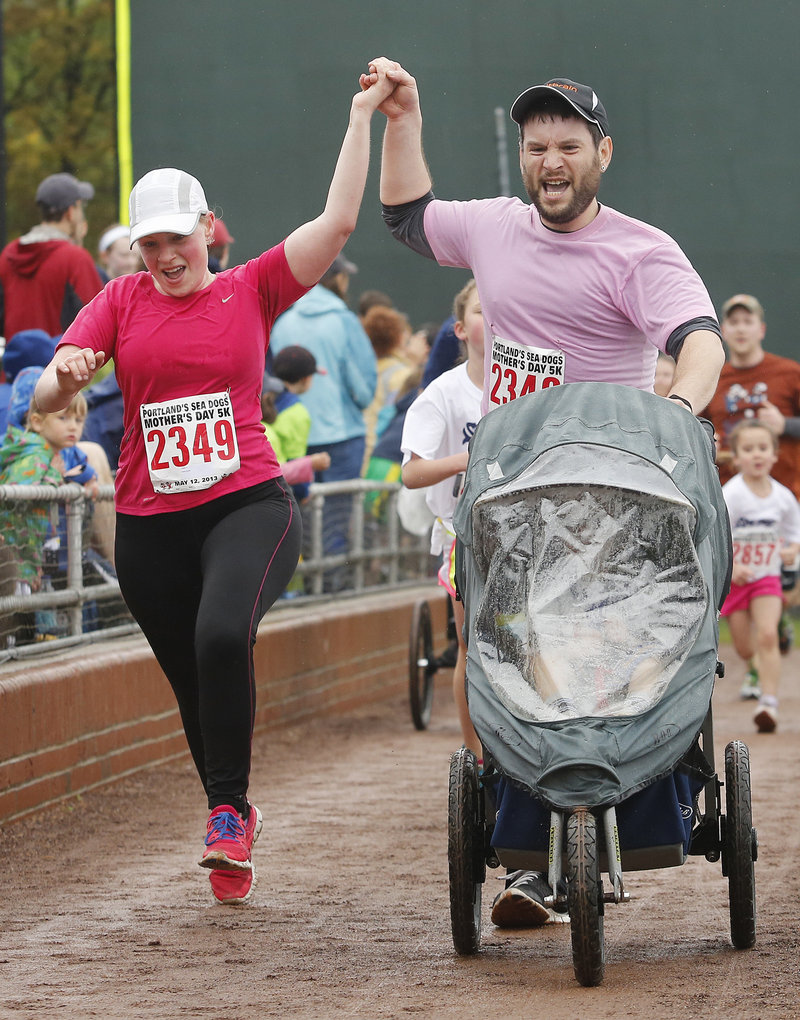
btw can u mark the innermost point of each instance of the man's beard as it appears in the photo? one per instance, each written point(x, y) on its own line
point(583, 194)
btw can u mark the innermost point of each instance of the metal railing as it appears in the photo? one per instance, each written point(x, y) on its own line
point(78, 601)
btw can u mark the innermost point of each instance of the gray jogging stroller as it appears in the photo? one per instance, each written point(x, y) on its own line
point(594, 553)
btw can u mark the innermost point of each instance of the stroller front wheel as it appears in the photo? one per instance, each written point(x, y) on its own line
point(739, 845)
point(585, 897)
point(465, 851)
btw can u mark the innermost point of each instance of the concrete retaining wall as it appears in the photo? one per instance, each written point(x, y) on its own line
point(95, 714)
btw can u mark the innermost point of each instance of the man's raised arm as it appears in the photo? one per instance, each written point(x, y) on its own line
point(404, 172)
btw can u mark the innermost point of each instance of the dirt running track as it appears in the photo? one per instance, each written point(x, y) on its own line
point(104, 912)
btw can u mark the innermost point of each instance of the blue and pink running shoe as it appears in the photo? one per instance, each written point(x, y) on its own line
point(229, 839)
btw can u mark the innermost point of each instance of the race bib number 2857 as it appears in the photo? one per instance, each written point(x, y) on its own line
point(190, 443)
point(758, 549)
point(517, 370)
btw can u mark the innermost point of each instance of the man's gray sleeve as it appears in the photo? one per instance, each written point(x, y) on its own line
point(407, 224)
point(677, 336)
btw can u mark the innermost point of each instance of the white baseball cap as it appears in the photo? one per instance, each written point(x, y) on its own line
point(166, 201)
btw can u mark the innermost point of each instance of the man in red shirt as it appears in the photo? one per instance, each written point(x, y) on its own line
point(46, 277)
point(756, 384)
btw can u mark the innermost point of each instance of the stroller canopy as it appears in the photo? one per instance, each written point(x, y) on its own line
point(594, 553)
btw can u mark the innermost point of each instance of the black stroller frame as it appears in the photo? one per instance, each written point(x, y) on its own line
point(582, 795)
point(578, 852)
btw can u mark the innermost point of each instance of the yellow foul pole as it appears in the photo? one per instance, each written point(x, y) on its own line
point(124, 141)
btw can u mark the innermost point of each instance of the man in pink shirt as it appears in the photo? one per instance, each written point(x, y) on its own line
point(571, 291)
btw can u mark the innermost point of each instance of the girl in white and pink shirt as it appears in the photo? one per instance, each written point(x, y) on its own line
point(765, 523)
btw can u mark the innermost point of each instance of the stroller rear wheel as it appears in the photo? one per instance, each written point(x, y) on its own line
point(465, 851)
point(585, 897)
point(421, 665)
point(739, 845)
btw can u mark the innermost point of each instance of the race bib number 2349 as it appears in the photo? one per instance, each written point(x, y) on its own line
point(190, 443)
point(517, 370)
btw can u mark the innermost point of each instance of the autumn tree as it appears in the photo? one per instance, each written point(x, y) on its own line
point(60, 104)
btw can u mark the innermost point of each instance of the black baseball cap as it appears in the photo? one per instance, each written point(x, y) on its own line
point(581, 98)
point(294, 363)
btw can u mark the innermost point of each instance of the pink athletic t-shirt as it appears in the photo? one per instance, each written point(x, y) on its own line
point(591, 305)
point(205, 353)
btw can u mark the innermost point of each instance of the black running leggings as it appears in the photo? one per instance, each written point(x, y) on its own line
point(198, 582)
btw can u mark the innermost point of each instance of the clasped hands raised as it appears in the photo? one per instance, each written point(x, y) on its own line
point(397, 88)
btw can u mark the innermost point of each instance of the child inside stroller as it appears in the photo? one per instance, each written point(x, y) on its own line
point(594, 554)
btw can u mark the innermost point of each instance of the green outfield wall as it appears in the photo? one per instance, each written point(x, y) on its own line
point(253, 98)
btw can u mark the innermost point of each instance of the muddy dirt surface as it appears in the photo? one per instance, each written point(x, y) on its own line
point(105, 913)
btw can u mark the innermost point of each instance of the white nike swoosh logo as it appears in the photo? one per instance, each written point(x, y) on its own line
point(227, 298)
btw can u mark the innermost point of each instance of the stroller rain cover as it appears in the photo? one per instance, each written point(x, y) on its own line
point(594, 553)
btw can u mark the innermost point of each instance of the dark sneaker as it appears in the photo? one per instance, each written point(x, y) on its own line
point(521, 903)
point(229, 839)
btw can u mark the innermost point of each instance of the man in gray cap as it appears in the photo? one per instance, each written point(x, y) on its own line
point(46, 276)
point(570, 291)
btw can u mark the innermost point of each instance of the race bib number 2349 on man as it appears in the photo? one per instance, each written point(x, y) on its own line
point(517, 370)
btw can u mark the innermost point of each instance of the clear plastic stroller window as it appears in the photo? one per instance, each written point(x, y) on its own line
point(592, 594)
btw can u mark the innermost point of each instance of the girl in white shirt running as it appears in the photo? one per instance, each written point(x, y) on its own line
point(436, 433)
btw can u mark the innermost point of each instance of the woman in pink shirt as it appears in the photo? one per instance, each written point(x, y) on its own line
point(208, 533)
